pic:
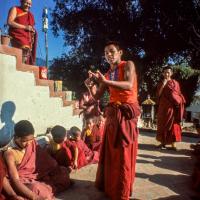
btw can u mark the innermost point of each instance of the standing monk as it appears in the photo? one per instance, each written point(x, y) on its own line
point(170, 110)
point(22, 32)
point(116, 168)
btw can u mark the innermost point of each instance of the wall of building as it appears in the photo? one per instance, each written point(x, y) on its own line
point(21, 97)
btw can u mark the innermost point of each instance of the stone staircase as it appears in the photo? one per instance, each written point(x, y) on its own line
point(24, 96)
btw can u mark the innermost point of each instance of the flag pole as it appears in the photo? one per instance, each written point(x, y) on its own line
point(45, 30)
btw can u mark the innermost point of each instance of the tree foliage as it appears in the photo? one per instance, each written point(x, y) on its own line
point(152, 31)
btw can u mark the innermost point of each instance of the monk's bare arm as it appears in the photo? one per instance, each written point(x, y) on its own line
point(127, 84)
point(11, 21)
point(129, 75)
point(99, 92)
point(14, 177)
point(76, 158)
point(9, 190)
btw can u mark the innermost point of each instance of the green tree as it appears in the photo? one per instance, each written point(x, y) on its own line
point(152, 31)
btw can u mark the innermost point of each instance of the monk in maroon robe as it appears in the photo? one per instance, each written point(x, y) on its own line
point(22, 32)
point(170, 110)
point(116, 168)
point(62, 149)
point(97, 134)
point(85, 155)
point(2, 176)
point(32, 171)
point(9, 193)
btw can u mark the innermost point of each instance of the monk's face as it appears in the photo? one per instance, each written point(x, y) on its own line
point(101, 121)
point(26, 5)
point(112, 54)
point(24, 141)
point(77, 136)
point(167, 74)
point(89, 124)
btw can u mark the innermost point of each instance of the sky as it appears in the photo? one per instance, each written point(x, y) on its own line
point(55, 44)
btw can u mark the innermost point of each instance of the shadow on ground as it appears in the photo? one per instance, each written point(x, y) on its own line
point(82, 190)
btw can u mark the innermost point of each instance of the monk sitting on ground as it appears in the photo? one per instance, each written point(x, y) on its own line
point(5, 186)
point(63, 150)
point(85, 155)
point(87, 132)
point(32, 171)
point(97, 133)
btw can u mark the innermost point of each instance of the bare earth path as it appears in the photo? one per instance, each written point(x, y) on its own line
point(160, 174)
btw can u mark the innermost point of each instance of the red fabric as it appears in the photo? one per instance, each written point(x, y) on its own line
point(24, 37)
point(64, 156)
point(116, 168)
point(92, 106)
point(129, 96)
point(2, 175)
point(41, 173)
point(85, 155)
point(97, 137)
point(170, 113)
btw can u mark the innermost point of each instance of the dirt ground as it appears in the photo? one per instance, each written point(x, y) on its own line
point(160, 174)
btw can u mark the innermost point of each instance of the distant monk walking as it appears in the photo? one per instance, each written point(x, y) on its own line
point(170, 110)
point(116, 168)
point(22, 32)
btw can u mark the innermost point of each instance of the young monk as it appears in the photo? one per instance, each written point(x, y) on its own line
point(116, 168)
point(5, 186)
point(170, 110)
point(97, 134)
point(88, 131)
point(64, 151)
point(32, 171)
point(85, 155)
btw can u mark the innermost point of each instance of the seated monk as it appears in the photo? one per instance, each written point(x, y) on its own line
point(97, 134)
point(87, 132)
point(21, 30)
point(85, 155)
point(32, 171)
point(63, 150)
point(5, 186)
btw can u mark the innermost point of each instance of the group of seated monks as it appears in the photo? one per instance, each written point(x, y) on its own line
point(31, 171)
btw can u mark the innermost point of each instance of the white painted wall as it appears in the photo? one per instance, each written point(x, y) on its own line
point(21, 99)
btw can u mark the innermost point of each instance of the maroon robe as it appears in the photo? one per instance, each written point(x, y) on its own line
point(2, 176)
point(85, 155)
point(41, 173)
point(97, 136)
point(116, 168)
point(170, 113)
point(22, 38)
point(65, 155)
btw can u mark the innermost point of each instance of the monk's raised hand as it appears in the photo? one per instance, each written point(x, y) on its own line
point(29, 28)
point(89, 83)
point(101, 77)
point(92, 74)
point(165, 81)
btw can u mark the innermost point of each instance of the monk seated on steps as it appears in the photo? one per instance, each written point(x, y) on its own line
point(63, 150)
point(33, 173)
